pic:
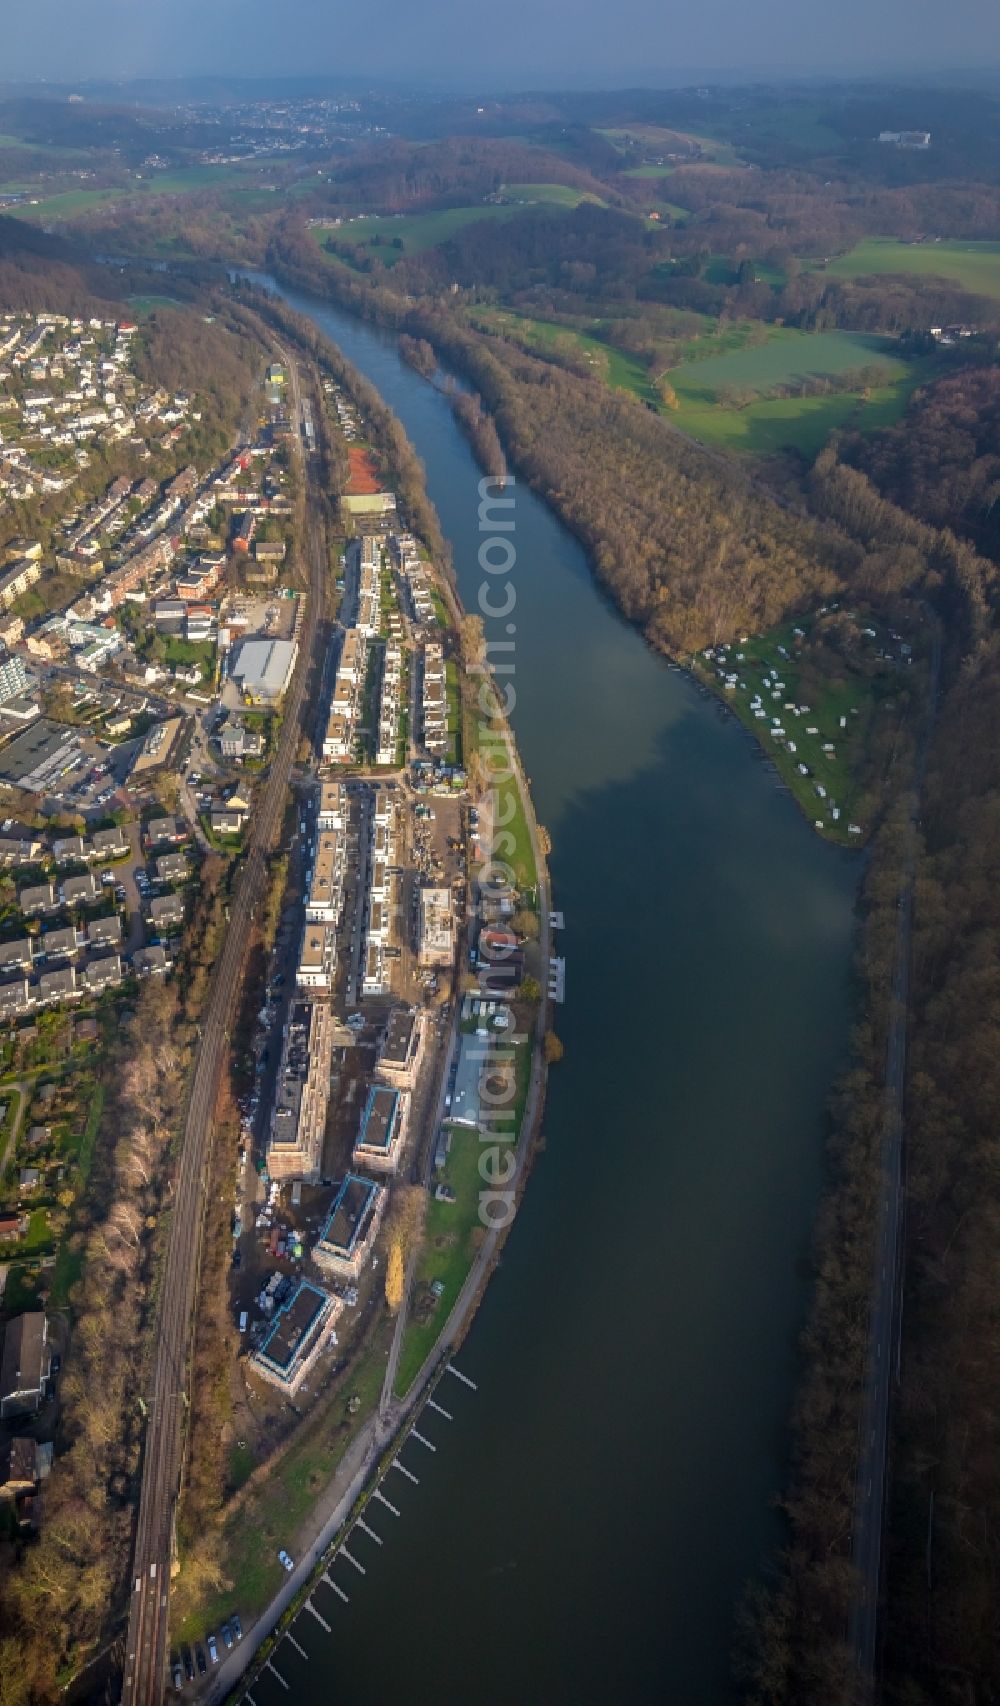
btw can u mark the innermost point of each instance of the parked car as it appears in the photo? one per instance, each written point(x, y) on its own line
point(283, 1558)
point(187, 1663)
point(227, 1633)
point(236, 1626)
point(213, 1651)
point(200, 1661)
point(178, 1677)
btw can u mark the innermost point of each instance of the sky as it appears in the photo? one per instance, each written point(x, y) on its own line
point(477, 46)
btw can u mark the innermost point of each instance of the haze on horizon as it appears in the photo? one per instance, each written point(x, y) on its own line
point(447, 44)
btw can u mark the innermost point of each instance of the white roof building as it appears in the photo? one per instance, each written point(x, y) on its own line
point(263, 668)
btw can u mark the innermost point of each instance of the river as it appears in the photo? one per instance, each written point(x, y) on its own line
point(589, 1520)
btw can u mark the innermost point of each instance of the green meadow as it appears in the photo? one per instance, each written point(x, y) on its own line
point(732, 360)
point(65, 205)
point(414, 233)
point(655, 138)
point(244, 182)
point(973, 266)
point(768, 425)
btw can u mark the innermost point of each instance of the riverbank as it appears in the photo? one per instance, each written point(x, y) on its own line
point(372, 1438)
point(646, 1307)
point(773, 567)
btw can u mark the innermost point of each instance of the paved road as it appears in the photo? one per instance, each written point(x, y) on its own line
point(884, 1319)
point(146, 1645)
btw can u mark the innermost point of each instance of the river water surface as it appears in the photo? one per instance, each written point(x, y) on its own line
point(592, 1513)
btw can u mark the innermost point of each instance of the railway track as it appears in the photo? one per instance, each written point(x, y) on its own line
point(145, 1662)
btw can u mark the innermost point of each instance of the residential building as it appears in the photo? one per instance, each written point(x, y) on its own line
point(400, 1047)
point(105, 932)
point(296, 1337)
point(55, 986)
point(224, 821)
point(165, 910)
point(69, 850)
point(237, 741)
point(103, 973)
point(325, 892)
point(79, 891)
point(171, 868)
point(351, 1227)
point(13, 998)
point(109, 843)
point(332, 810)
point(317, 957)
point(348, 693)
point(16, 581)
point(435, 927)
point(435, 699)
point(18, 953)
point(19, 1467)
point(14, 679)
point(149, 962)
point(382, 1132)
point(19, 845)
point(36, 898)
point(58, 944)
point(295, 1146)
point(165, 829)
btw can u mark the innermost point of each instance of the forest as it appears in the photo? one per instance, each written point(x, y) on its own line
point(944, 1502)
point(942, 462)
point(691, 550)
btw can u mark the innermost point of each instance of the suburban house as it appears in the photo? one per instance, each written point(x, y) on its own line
point(24, 1365)
point(166, 909)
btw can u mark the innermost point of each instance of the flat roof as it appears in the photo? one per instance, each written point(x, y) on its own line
point(36, 756)
point(395, 1050)
point(294, 1327)
point(264, 666)
point(326, 867)
point(472, 1060)
point(317, 948)
point(380, 1119)
point(331, 798)
point(348, 1220)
